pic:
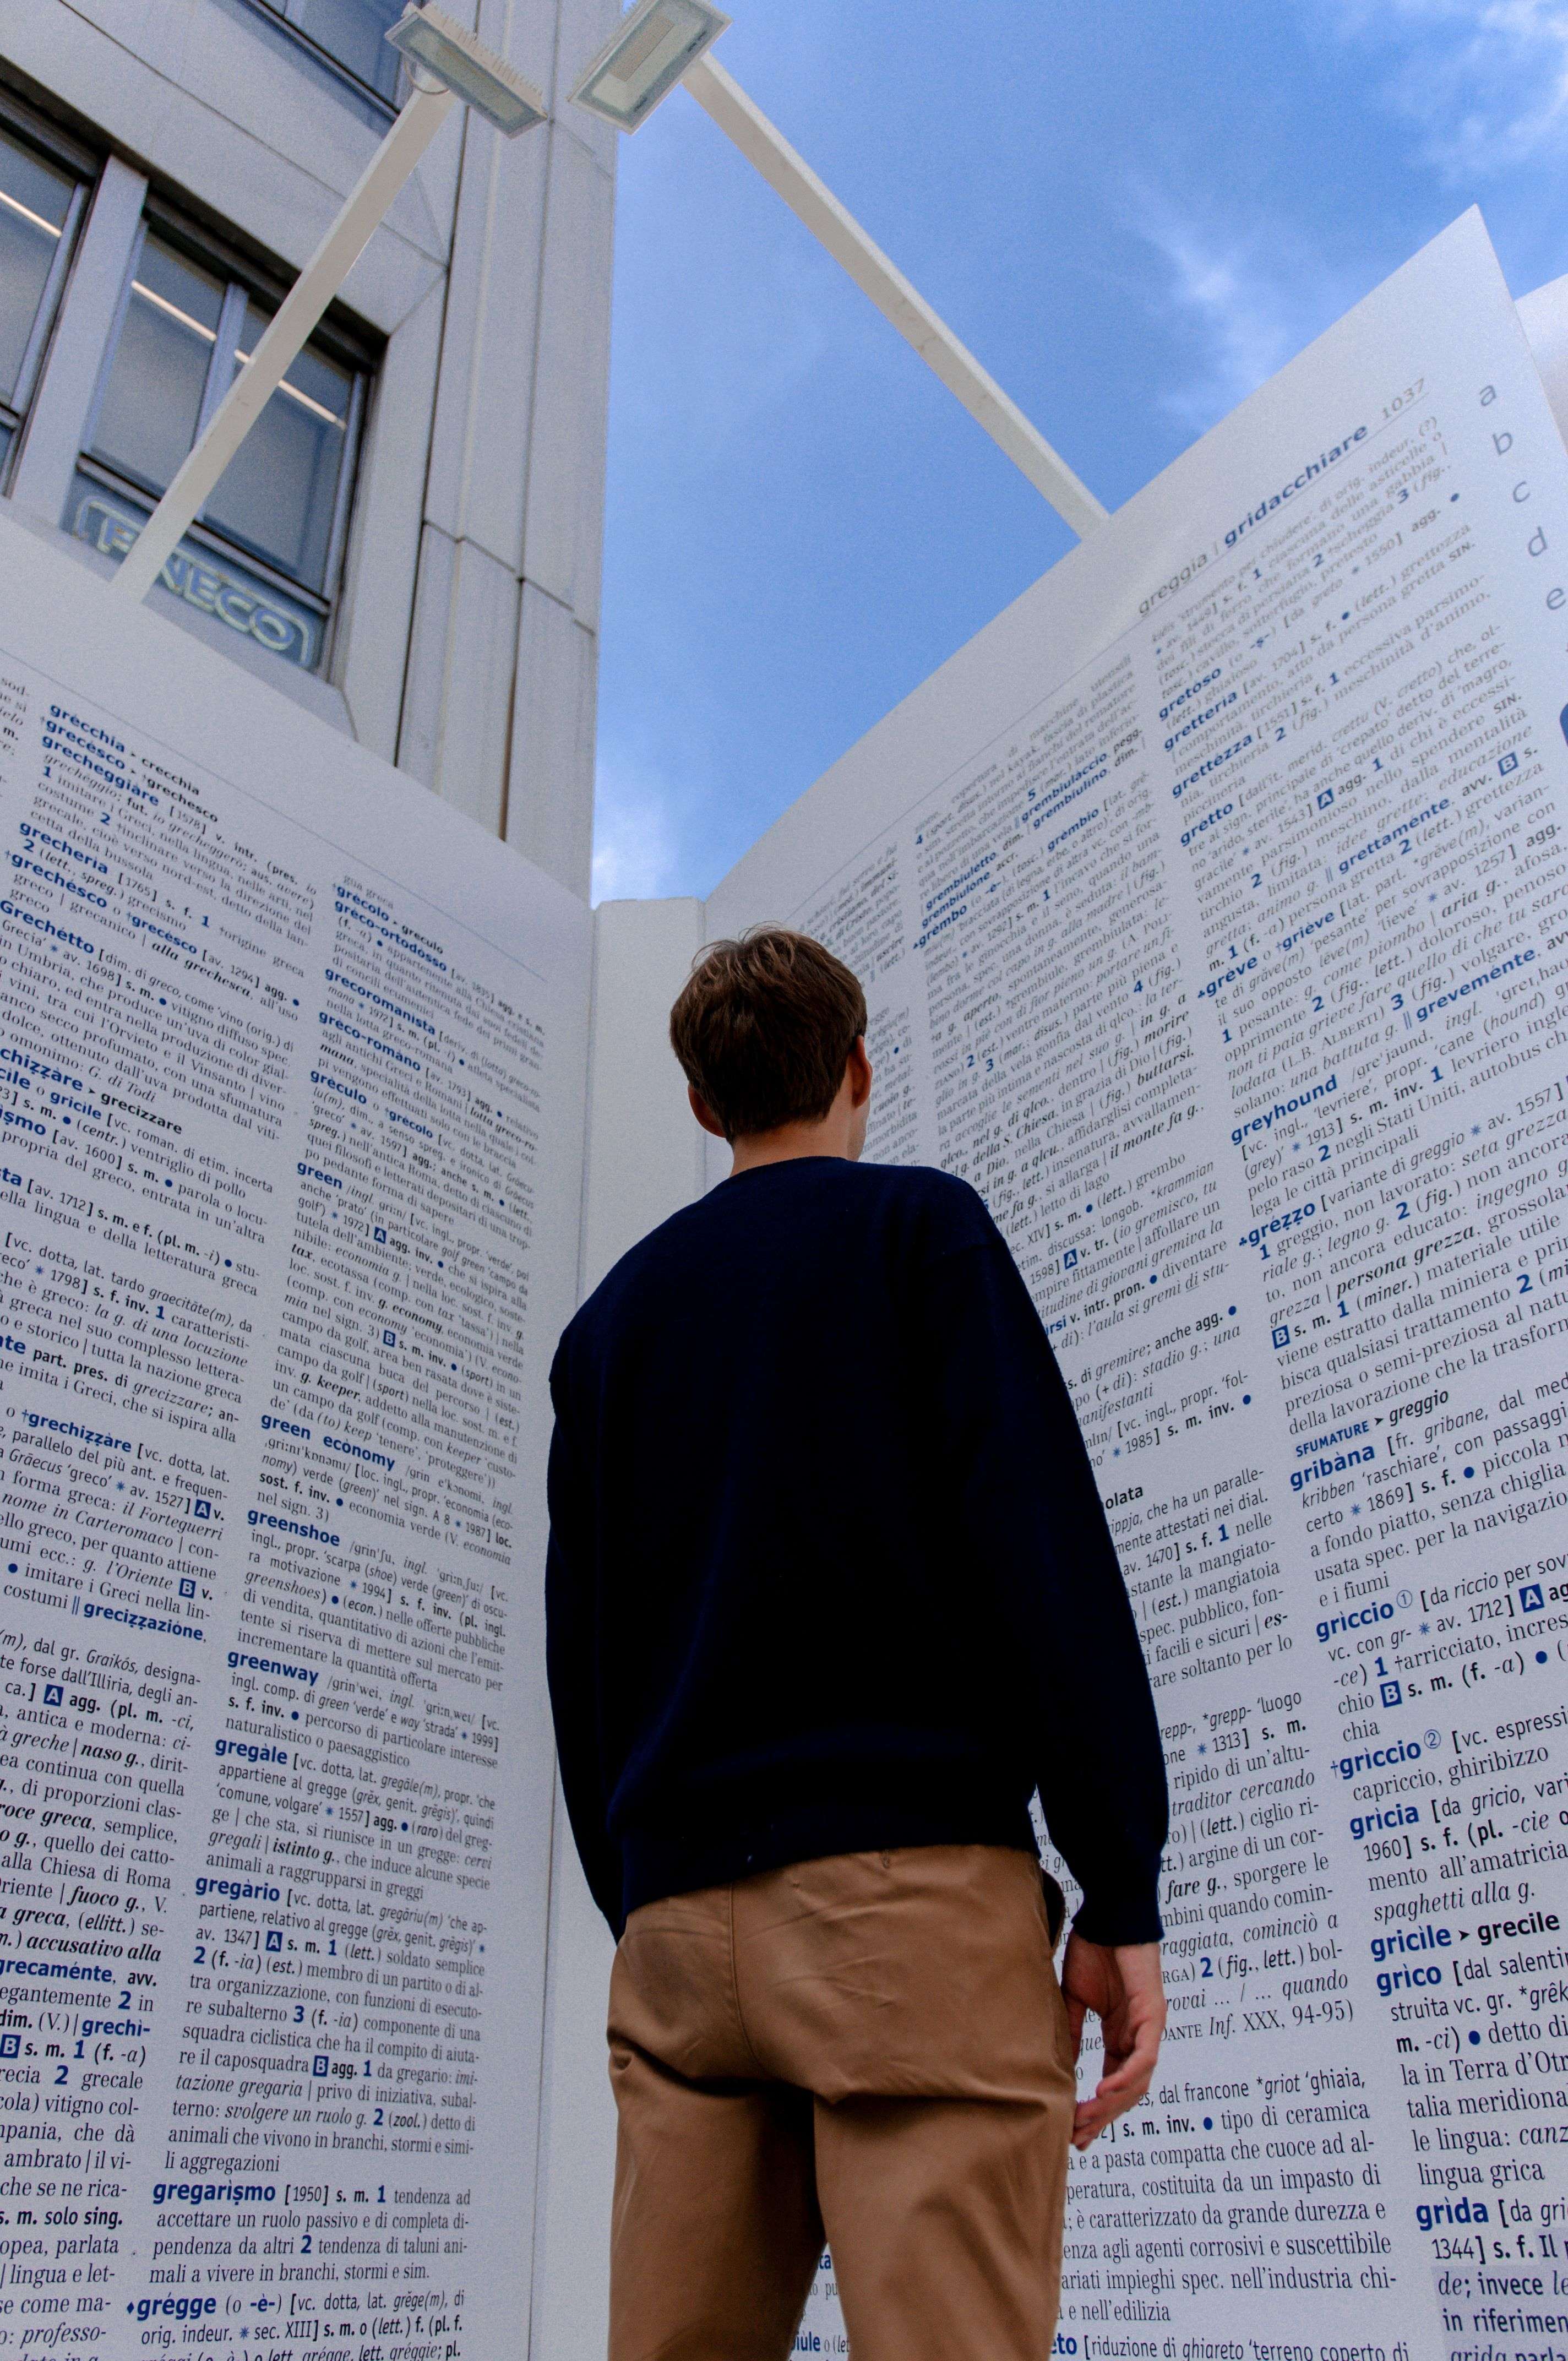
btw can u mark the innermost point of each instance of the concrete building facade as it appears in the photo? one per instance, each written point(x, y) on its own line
point(411, 550)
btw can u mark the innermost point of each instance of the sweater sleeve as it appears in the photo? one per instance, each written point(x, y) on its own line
point(1034, 1532)
point(571, 1653)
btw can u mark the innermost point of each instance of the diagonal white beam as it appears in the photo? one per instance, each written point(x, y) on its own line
point(813, 203)
point(286, 333)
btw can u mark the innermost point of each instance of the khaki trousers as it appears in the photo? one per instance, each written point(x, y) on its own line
point(873, 2048)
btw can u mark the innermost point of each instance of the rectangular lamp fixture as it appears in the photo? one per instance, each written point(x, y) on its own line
point(650, 50)
point(428, 37)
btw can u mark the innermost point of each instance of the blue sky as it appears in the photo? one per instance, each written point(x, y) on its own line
point(1133, 211)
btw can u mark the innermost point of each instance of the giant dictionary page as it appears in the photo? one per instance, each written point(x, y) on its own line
point(1211, 910)
point(292, 1101)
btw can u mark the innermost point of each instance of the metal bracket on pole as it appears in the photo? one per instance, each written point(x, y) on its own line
point(285, 335)
point(813, 203)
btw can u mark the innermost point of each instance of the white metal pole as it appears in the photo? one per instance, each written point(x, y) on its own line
point(813, 203)
point(302, 308)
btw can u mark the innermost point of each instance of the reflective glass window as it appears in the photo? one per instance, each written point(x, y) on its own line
point(265, 554)
point(279, 494)
point(35, 207)
point(352, 32)
point(42, 199)
point(164, 353)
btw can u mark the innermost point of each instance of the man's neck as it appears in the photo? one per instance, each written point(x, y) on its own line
point(790, 1142)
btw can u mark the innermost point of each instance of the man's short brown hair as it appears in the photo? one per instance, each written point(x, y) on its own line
point(763, 1028)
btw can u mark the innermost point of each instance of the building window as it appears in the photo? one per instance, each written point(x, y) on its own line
point(266, 553)
point(40, 206)
point(350, 34)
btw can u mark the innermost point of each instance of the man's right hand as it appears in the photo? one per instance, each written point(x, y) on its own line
point(1123, 1987)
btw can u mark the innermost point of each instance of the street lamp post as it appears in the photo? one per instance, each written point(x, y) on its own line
point(657, 44)
point(660, 43)
point(445, 64)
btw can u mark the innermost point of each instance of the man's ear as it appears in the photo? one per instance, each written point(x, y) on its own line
point(858, 1073)
point(705, 1113)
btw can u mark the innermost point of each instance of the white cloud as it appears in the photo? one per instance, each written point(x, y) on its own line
point(635, 847)
point(1248, 318)
point(1486, 80)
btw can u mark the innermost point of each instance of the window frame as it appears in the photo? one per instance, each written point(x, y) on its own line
point(31, 130)
point(244, 282)
point(274, 15)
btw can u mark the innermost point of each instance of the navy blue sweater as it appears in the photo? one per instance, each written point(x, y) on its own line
point(828, 1572)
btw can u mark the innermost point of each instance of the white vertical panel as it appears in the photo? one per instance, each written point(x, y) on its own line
point(645, 1162)
point(457, 709)
point(384, 543)
point(418, 733)
point(566, 469)
point(516, 475)
point(479, 469)
point(644, 1144)
point(525, 32)
point(550, 785)
point(1543, 315)
point(477, 708)
point(584, 29)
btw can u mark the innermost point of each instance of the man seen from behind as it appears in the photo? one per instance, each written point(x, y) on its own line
point(830, 1596)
